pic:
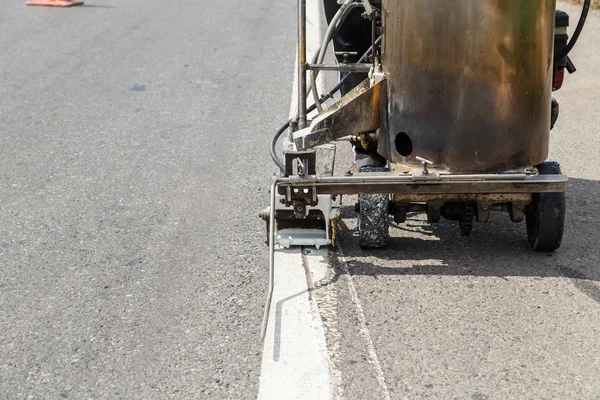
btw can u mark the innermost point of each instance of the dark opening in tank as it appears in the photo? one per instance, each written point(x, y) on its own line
point(403, 144)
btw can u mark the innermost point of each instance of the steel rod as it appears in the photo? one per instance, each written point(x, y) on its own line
point(454, 184)
point(391, 178)
point(373, 15)
point(267, 311)
point(302, 64)
point(340, 67)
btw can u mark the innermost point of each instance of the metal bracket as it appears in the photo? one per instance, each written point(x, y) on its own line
point(301, 194)
point(357, 112)
point(369, 10)
point(306, 163)
point(297, 236)
point(333, 215)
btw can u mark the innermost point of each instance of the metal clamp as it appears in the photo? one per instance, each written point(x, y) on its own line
point(306, 163)
point(346, 55)
point(369, 10)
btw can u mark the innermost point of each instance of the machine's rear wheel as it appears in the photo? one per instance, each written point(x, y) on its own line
point(373, 221)
point(546, 215)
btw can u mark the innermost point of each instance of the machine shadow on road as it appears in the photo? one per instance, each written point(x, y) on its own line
point(498, 248)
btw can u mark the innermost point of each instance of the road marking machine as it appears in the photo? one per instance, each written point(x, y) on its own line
point(459, 102)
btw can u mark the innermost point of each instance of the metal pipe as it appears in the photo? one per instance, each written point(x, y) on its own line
point(388, 178)
point(302, 64)
point(340, 67)
point(454, 184)
point(373, 16)
point(334, 26)
point(267, 310)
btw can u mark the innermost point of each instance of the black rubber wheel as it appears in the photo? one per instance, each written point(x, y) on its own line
point(373, 221)
point(546, 215)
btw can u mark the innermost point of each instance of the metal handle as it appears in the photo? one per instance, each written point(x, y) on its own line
point(424, 161)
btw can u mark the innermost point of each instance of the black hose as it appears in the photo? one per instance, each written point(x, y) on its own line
point(575, 37)
point(313, 107)
point(274, 155)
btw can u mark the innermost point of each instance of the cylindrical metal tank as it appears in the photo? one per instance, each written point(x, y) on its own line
point(469, 82)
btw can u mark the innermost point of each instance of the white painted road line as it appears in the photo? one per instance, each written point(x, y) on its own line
point(295, 362)
point(364, 330)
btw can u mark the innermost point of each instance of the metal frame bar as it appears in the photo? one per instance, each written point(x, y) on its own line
point(423, 184)
point(361, 67)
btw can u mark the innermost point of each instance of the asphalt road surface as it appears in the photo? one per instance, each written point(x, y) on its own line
point(133, 160)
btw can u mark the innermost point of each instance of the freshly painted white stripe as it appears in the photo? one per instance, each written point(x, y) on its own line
point(295, 360)
point(316, 265)
point(364, 330)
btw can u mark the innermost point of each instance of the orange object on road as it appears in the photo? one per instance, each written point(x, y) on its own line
point(55, 3)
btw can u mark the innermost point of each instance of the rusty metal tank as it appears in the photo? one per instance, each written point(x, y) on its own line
point(469, 82)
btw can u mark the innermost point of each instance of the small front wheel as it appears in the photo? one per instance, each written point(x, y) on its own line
point(373, 221)
point(546, 221)
point(546, 215)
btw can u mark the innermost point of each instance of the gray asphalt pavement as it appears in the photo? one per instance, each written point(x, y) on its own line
point(482, 317)
point(133, 161)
